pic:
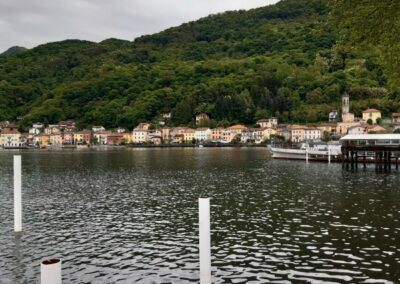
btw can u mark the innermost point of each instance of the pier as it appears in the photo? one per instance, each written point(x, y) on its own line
point(381, 149)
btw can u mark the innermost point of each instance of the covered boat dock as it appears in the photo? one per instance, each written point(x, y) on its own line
point(381, 149)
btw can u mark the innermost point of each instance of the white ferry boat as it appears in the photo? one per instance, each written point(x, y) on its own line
point(315, 152)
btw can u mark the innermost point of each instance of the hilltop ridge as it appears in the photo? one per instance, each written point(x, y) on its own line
point(238, 66)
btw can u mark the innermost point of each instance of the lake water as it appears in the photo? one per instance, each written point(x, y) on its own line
point(131, 217)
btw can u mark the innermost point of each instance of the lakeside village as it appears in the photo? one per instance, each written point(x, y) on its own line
point(66, 135)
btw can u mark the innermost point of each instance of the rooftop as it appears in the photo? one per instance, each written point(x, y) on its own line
point(370, 137)
point(371, 110)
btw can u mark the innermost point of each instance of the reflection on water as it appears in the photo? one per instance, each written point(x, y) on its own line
point(131, 217)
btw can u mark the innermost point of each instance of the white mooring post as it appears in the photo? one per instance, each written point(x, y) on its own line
point(50, 271)
point(307, 155)
point(329, 154)
point(17, 194)
point(204, 241)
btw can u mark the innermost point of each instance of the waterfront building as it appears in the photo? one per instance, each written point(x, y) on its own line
point(284, 131)
point(306, 134)
point(44, 140)
point(55, 139)
point(248, 136)
point(35, 140)
point(216, 134)
point(101, 137)
point(372, 114)
point(166, 134)
point(201, 117)
point(265, 134)
point(270, 122)
point(127, 136)
point(188, 135)
point(154, 133)
point(140, 136)
point(203, 134)
point(10, 138)
point(156, 140)
point(312, 134)
point(297, 134)
point(237, 129)
point(68, 138)
point(98, 128)
point(177, 138)
point(83, 137)
point(229, 135)
point(115, 139)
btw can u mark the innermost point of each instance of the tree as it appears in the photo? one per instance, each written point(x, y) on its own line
point(364, 22)
point(369, 121)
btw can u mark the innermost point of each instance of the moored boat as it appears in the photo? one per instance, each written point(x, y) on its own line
point(315, 152)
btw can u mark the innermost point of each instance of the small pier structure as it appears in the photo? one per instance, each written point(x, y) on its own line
point(381, 149)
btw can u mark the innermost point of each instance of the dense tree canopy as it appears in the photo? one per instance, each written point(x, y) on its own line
point(371, 22)
point(239, 66)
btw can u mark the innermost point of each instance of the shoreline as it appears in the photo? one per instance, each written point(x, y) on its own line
point(124, 147)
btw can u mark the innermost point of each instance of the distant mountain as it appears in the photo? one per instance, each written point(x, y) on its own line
point(13, 50)
point(238, 66)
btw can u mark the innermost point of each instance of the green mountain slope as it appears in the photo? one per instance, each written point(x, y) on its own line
point(237, 66)
point(13, 50)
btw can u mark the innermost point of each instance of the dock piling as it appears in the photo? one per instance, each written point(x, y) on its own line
point(50, 271)
point(17, 194)
point(204, 241)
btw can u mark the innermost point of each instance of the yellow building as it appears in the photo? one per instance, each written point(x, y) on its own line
point(372, 114)
point(188, 135)
point(216, 134)
point(44, 140)
point(127, 138)
point(10, 138)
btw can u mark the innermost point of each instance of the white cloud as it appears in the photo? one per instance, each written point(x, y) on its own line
point(32, 22)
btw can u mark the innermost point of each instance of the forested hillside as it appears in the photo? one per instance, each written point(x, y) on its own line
point(237, 66)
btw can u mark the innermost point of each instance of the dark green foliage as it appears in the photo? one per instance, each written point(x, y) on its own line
point(237, 66)
point(13, 50)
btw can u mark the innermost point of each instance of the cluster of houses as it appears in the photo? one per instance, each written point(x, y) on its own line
point(66, 134)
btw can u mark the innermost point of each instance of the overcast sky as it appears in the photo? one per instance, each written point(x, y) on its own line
point(32, 22)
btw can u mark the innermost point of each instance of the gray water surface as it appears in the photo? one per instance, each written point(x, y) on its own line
point(131, 217)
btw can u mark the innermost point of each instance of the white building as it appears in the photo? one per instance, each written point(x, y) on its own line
point(203, 134)
point(312, 134)
point(140, 136)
